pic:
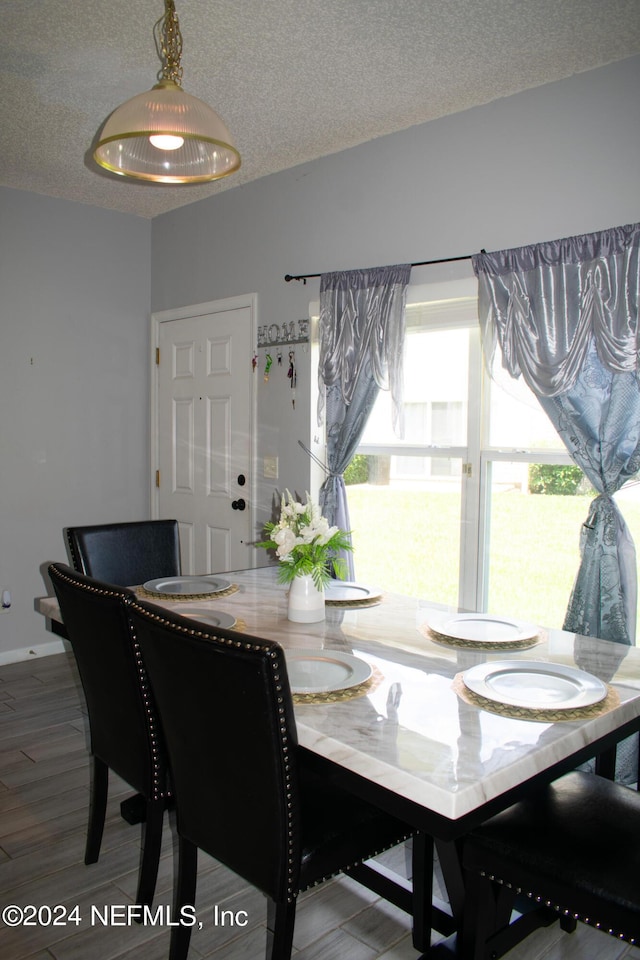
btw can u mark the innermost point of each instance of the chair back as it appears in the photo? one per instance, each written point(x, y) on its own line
point(126, 554)
point(122, 721)
point(227, 719)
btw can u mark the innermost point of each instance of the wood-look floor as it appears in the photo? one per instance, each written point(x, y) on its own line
point(44, 780)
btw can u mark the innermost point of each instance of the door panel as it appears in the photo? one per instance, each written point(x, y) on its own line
point(219, 547)
point(183, 446)
point(219, 439)
point(205, 435)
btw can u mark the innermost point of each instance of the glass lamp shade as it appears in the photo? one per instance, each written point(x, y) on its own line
point(198, 149)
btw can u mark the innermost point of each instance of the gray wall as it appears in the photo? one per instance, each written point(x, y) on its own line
point(77, 288)
point(74, 387)
point(547, 163)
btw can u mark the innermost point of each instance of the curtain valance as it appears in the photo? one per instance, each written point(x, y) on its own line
point(362, 325)
point(545, 303)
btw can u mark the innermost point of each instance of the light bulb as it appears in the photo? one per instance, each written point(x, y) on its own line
point(165, 141)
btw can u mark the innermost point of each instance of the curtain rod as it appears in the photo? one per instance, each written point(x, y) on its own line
point(425, 263)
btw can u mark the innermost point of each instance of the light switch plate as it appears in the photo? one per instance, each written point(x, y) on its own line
point(270, 468)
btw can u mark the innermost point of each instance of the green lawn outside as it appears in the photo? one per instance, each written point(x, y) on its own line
point(408, 541)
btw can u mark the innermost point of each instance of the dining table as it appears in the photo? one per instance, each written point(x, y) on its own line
point(440, 716)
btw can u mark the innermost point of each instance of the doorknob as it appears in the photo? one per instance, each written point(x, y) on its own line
point(238, 504)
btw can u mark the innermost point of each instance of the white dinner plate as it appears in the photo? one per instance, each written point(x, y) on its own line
point(187, 586)
point(533, 684)
point(345, 591)
point(213, 618)
point(323, 671)
point(483, 628)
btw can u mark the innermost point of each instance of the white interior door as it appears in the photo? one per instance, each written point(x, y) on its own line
point(204, 429)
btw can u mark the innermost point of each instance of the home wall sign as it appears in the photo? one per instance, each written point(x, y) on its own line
point(281, 334)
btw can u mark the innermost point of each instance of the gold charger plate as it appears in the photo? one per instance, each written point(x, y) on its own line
point(180, 589)
point(347, 593)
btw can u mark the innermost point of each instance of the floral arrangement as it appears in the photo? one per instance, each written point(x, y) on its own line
point(305, 543)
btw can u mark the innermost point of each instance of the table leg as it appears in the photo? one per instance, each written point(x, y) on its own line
point(451, 865)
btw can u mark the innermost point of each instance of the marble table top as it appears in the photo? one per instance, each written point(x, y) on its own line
point(411, 734)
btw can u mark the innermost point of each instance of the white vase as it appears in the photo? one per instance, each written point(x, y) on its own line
point(306, 602)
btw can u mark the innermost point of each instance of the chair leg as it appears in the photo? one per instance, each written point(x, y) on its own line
point(151, 851)
point(97, 809)
point(185, 895)
point(479, 917)
point(281, 918)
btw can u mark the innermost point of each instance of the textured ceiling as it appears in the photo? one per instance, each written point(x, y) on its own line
point(292, 79)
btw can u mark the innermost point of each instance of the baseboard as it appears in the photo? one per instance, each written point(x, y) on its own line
point(33, 653)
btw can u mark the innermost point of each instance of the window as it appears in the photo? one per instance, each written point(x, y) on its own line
point(453, 512)
point(407, 517)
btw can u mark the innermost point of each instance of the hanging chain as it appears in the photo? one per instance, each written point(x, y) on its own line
point(169, 43)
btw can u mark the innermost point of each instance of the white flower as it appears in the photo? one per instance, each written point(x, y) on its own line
point(307, 533)
point(286, 540)
point(321, 525)
point(327, 533)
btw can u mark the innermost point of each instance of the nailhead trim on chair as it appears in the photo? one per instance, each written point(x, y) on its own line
point(558, 909)
point(275, 664)
point(158, 792)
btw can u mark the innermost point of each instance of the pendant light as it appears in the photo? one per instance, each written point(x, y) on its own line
point(166, 135)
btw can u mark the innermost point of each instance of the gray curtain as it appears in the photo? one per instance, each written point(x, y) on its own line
point(565, 314)
point(361, 336)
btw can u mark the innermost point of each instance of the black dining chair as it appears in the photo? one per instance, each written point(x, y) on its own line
point(126, 554)
point(571, 851)
point(242, 789)
point(123, 729)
